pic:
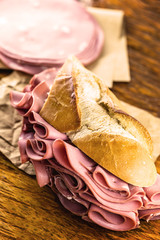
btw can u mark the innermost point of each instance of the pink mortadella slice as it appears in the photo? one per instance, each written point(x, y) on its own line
point(71, 180)
point(49, 36)
point(153, 192)
point(150, 214)
point(39, 149)
point(114, 221)
point(30, 101)
point(46, 76)
point(151, 202)
point(27, 68)
point(78, 206)
point(74, 160)
point(41, 173)
point(22, 145)
point(43, 129)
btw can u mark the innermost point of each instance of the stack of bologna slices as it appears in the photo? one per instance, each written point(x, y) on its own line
point(38, 34)
point(82, 186)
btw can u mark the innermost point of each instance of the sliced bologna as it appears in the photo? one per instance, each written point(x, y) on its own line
point(37, 34)
point(82, 186)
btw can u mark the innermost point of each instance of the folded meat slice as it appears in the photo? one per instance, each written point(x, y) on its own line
point(68, 187)
point(117, 221)
point(48, 76)
point(43, 129)
point(41, 173)
point(22, 145)
point(114, 186)
point(74, 160)
point(153, 192)
point(30, 101)
point(39, 149)
point(150, 214)
point(78, 206)
point(72, 181)
point(34, 94)
point(151, 202)
point(27, 126)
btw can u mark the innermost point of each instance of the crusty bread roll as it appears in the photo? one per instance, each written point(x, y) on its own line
point(80, 105)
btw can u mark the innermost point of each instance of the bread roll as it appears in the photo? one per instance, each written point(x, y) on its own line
point(80, 105)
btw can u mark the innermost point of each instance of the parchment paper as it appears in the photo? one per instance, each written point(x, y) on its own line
point(113, 64)
point(10, 123)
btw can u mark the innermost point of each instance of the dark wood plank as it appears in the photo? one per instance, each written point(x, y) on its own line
point(30, 212)
point(4, 72)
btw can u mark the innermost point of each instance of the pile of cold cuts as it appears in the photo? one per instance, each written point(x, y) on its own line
point(37, 34)
point(82, 186)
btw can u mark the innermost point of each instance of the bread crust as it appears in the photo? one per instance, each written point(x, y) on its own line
point(97, 124)
point(60, 109)
point(121, 156)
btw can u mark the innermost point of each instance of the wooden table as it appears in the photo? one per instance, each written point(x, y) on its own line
point(30, 212)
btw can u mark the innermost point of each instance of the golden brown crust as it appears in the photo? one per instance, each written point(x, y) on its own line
point(123, 157)
point(60, 108)
point(134, 127)
point(128, 122)
point(80, 105)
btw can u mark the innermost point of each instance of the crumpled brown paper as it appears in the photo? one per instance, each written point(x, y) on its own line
point(11, 121)
point(113, 63)
point(10, 124)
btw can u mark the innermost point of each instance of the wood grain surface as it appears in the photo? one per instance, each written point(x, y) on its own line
point(142, 18)
point(30, 212)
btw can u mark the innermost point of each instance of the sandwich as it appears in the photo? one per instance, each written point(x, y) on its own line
point(87, 148)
